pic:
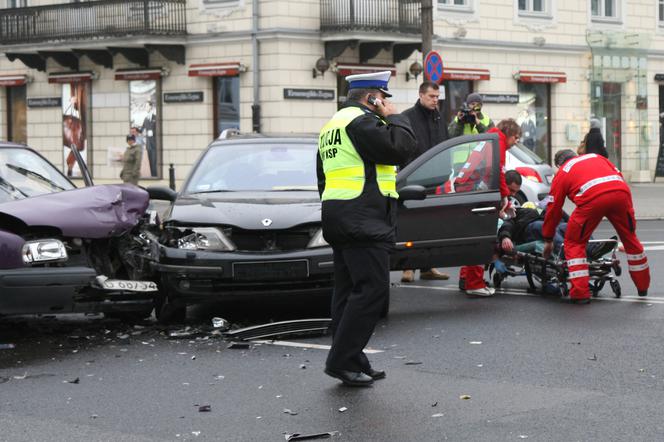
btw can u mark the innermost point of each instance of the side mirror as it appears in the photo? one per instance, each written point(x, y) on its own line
point(161, 193)
point(412, 192)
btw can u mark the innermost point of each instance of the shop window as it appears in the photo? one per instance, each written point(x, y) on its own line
point(75, 125)
point(533, 117)
point(17, 114)
point(227, 103)
point(144, 116)
point(16, 3)
point(605, 10)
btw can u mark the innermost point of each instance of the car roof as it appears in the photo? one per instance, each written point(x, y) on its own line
point(12, 144)
point(266, 139)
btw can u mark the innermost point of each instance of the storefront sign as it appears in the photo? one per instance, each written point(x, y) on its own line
point(70, 77)
point(541, 77)
point(142, 74)
point(183, 97)
point(500, 98)
point(45, 102)
point(309, 94)
point(228, 69)
point(13, 80)
point(466, 74)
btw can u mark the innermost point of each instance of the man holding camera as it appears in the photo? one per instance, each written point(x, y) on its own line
point(470, 119)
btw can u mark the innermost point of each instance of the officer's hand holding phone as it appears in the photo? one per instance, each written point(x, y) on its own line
point(383, 107)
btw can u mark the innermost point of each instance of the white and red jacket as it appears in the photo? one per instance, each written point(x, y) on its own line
point(581, 179)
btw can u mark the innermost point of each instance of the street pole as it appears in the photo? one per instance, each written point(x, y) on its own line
point(427, 27)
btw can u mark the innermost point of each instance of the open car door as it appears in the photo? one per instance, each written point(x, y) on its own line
point(454, 224)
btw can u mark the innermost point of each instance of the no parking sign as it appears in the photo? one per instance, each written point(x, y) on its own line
point(433, 67)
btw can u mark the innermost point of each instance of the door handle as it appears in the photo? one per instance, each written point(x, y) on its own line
point(483, 209)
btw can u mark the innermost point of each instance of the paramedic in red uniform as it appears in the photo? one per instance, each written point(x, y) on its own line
point(477, 170)
point(599, 190)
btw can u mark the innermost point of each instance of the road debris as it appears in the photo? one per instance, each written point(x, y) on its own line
point(412, 363)
point(435, 404)
point(594, 358)
point(274, 329)
point(343, 409)
point(475, 342)
point(238, 345)
point(298, 436)
point(289, 411)
point(7, 346)
point(73, 381)
point(204, 408)
point(302, 366)
point(220, 323)
point(25, 375)
point(464, 397)
point(437, 415)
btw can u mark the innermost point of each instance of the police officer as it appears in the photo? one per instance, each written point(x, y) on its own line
point(358, 151)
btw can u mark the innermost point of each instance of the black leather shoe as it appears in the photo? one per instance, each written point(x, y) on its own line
point(641, 293)
point(350, 378)
point(375, 374)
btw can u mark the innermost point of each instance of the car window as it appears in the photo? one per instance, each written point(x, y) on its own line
point(525, 155)
point(465, 167)
point(261, 166)
point(23, 174)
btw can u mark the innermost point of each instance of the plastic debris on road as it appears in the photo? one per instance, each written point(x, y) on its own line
point(204, 408)
point(594, 358)
point(475, 342)
point(437, 415)
point(289, 411)
point(238, 345)
point(412, 363)
point(464, 397)
point(342, 409)
point(220, 323)
point(298, 436)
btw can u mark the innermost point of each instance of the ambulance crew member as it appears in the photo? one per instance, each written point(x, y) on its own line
point(359, 149)
point(599, 190)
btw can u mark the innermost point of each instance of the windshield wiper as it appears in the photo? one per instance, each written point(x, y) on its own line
point(10, 189)
point(34, 175)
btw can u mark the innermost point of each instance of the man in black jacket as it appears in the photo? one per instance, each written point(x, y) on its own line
point(430, 130)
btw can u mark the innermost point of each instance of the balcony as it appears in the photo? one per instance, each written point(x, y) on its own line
point(374, 25)
point(382, 16)
point(93, 20)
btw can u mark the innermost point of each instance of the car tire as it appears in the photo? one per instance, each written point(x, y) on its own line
point(168, 312)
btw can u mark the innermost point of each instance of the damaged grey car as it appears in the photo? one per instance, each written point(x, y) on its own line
point(67, 250)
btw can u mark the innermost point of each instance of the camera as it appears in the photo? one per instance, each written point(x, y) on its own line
point(466, 116)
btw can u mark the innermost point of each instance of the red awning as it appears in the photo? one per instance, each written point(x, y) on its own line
point(465, 74)
point(226, 69)
point(70, 77)
point(541, 77)
point(344, 69)
point(13, 80)
point(138, 74)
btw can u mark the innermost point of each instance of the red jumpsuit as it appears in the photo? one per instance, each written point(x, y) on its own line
point(478, 167)
point(599, 190)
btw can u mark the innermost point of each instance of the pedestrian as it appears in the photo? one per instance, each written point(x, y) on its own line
point(430, 131)
point(474, 175)
point(359, 149)
point(131, 161)
point(594, 141)
point(599, 190)
point(470, 119)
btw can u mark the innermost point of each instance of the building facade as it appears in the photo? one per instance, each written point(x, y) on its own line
point(81, 75)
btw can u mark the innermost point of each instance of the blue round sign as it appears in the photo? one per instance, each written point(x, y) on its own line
point(433, 67)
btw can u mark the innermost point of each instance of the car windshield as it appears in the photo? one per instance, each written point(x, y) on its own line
point(23, 174)
point(525, 155)
point(256, 167)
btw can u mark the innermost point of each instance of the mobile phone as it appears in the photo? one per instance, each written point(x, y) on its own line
point(374, 101)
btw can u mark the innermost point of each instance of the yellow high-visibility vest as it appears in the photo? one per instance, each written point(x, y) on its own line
point(343, 166)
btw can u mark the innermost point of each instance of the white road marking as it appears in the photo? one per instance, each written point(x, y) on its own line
point(521, 292)
point(654, 248)
point(306, 345)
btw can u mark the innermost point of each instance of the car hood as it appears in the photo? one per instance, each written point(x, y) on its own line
point(90, 212)
point(248, 210)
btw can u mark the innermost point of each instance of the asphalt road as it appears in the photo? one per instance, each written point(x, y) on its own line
point(512, 367)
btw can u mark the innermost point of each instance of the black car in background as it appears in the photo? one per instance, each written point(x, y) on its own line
point(247, 221)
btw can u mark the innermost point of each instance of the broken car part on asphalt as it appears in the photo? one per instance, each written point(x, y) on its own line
point(275, 329)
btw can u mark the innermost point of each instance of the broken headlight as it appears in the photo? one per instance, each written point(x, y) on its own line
point(203, 238)
point(317, 240)
point(44, 250)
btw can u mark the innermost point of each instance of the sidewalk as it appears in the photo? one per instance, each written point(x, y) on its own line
point(648, 200)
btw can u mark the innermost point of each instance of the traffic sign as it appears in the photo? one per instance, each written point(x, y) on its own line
point(433, 67)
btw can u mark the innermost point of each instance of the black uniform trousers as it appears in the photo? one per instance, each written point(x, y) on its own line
point(361, 288)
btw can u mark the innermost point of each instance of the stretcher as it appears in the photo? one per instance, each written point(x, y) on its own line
point(549, 276)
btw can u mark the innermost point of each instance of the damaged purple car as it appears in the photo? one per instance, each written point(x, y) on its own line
point(65, 250)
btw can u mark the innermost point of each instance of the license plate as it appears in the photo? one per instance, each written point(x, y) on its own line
point(271, 271)
point(132, 286)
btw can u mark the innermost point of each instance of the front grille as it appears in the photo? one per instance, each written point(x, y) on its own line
point(254, 240)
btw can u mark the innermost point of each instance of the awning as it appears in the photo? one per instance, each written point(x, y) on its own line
point(70, 77)
point(13, 80)
point(465, 74)
point(138, 74)
point(344, 69)
point(541, 77)
point(226, 69)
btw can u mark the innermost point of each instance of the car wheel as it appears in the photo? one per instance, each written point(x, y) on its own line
point(169, 312)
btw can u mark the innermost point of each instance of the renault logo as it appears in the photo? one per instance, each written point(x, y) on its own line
point(267, 222)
